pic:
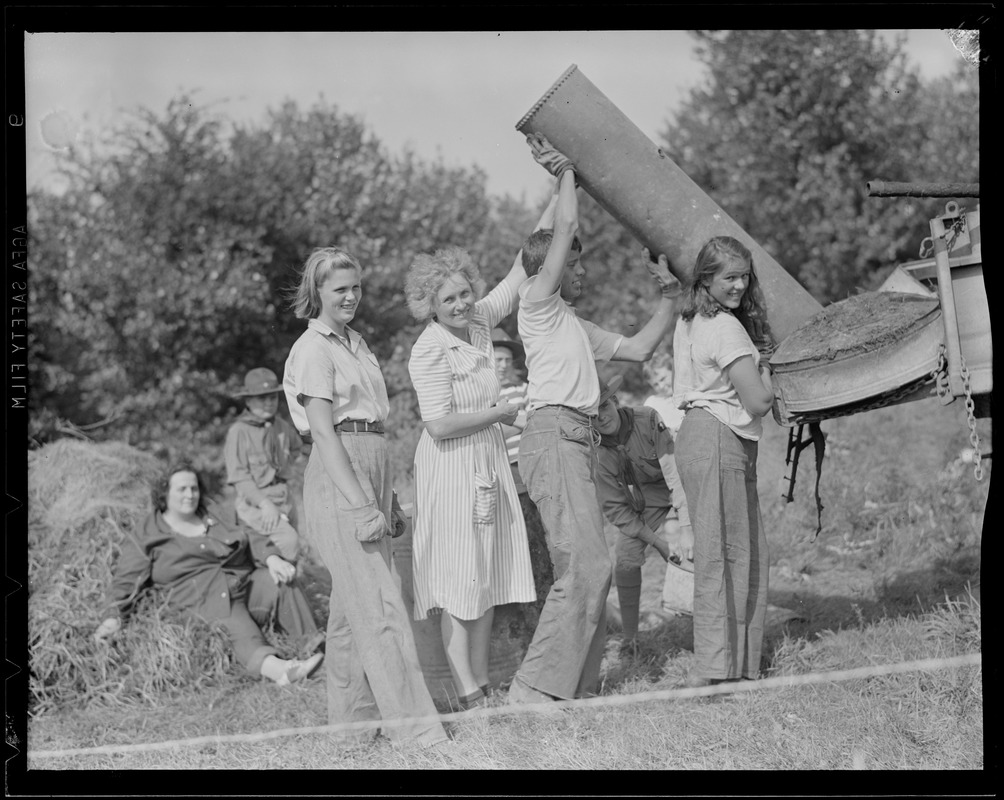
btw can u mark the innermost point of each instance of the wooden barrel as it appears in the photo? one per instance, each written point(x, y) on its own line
point(512, 628)
point(638, 184)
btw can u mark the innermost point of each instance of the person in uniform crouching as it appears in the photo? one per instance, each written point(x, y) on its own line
point(641, 494)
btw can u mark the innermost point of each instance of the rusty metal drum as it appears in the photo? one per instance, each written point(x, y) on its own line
point(638, 184)
point(874, 348)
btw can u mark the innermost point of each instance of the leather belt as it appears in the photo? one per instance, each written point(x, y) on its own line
point(592, 419)
point(359, 426)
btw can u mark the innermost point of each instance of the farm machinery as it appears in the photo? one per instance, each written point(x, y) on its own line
point(925, 331)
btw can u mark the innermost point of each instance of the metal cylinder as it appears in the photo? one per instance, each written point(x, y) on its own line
point(898, 189)
point(639, 185)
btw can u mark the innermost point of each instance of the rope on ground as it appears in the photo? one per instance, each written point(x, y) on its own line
point(550, 708)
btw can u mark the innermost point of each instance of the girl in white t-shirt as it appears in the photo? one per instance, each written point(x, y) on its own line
point(725, 391)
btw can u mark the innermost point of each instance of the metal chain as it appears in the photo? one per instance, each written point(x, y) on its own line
point(974, 438)
point(940, 374)
point(957, 227)
point(881, 401)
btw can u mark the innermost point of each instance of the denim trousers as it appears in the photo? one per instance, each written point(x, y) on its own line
point(557, 459)
point(718, 472)
point(371, 661)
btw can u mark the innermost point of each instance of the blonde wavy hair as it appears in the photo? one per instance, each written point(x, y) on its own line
point(428, 273)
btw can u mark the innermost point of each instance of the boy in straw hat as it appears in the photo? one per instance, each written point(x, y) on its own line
point(259, 453)
point(641, 494)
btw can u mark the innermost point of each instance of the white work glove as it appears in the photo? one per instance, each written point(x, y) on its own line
point(371, 524)
point(549, 158)
point(669, 284)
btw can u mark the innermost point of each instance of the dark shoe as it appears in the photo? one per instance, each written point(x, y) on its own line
point(472, 700)
point(629, 649)
point(697, 682)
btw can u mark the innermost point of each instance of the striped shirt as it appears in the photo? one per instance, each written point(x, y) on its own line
point(323, 364)
point(515, 394)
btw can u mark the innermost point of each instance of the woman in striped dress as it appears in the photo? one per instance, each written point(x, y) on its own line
point(470, 549)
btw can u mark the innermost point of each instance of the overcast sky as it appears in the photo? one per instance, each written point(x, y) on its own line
point(454, 94)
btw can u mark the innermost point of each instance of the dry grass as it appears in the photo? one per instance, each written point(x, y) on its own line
point(84, 500)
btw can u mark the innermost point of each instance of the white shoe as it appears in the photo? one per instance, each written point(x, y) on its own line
point(299, 670)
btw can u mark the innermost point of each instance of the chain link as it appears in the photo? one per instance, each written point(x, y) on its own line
point(940, 374)
point(880, 401)
point(974, 437)
point(958, 226)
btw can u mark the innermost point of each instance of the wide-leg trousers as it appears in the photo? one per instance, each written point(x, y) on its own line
point(718, 472)
point(371, 661)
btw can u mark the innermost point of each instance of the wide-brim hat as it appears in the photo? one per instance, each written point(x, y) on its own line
point(501, 339)
point(259, 381)
point(609, 388)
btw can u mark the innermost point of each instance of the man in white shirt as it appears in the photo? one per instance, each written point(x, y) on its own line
point(558, 448)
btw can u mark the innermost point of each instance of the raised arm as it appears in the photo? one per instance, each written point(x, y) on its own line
point(517, 274)
point(642, 345)
point(566, 224)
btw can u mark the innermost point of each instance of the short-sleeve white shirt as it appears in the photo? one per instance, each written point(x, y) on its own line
point(323, 364)
point(702, 350)
point(561, 352)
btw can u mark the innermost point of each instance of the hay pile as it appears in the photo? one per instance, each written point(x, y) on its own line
point(84, 500)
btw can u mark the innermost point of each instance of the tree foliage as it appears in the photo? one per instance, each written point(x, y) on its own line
point(791, 125)
point(162, 274)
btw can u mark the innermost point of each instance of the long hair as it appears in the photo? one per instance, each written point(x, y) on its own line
point(535, 248)
point(716, 254)
point(162, 486)
point(428, 273)
point(306, 299)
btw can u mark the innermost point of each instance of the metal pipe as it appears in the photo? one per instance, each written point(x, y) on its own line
point(946, 294)
point(897, 189)
point(637, 183)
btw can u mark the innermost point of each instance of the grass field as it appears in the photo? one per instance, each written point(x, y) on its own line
point(894, 576)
